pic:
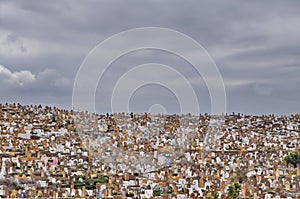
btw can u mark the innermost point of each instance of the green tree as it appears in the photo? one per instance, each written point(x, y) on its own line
point(292, 158)
point(233, 191)
point(157, 192)
point(216, 195)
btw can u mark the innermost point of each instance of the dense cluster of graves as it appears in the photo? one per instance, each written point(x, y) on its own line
point(51, 152)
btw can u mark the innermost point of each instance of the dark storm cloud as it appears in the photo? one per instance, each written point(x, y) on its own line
point(255, 45)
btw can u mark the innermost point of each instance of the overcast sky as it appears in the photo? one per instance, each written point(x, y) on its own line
point(255, 45)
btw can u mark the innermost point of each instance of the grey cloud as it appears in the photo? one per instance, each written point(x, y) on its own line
point(14, 39)
point(255, 45)
point(25, 86)
point(18, 78)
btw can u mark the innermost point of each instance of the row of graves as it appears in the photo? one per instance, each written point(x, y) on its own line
point(51, 152)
